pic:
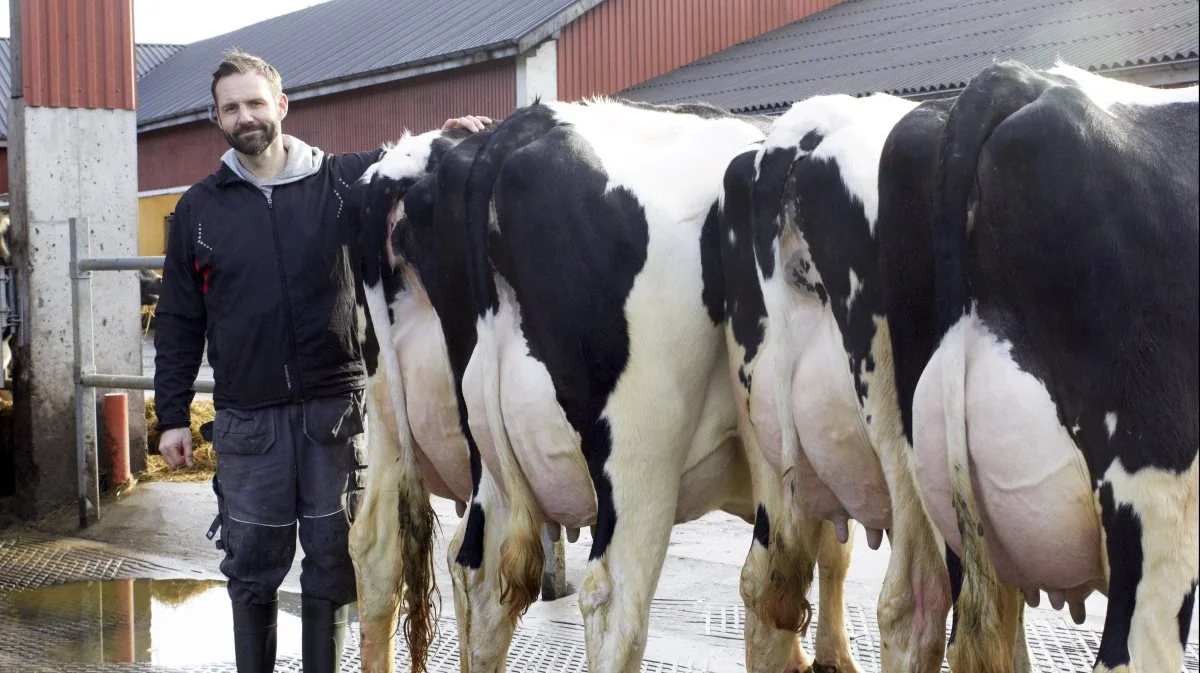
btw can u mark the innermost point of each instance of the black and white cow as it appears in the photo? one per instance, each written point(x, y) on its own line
point(418, 333)
point(599, 388)
point(1056, 424)
point(812, 316)
point(615, 405)
point(417, 336)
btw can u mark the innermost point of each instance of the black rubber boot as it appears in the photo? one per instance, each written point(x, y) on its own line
point(324, 630)
point(254, 636)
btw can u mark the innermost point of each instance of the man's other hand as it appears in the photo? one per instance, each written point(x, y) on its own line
point(473, 123)
point(175, 445)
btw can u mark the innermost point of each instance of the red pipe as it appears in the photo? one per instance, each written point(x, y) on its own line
point(116, 423)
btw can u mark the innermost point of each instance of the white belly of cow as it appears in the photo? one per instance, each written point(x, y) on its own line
point(1030, 480)
point(543, 441)
point(432, 408)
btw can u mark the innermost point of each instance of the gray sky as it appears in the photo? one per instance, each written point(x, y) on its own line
point(184, 21)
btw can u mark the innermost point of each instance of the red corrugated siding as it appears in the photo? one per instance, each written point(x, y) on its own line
point(623, 42)
point(77, 53)
point(346, 122)
point(3, 171)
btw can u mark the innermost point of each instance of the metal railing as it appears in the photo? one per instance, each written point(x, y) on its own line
point(86, 377)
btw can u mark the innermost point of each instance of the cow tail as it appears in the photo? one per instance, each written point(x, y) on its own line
point(416, 516)
point(993, 96)
point(522, 557)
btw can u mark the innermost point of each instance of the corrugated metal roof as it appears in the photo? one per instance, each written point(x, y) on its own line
point(343, 39)
point(146, 58)
point(909, 47)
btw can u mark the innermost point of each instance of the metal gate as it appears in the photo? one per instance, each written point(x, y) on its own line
point(87, 379)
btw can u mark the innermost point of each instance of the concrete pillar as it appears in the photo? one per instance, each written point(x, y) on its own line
point(537, 74)
point(72, 153)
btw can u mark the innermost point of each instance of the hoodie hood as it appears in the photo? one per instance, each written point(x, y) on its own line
point(302, 161)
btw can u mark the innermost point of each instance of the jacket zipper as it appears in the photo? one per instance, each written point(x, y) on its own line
point(298, 389)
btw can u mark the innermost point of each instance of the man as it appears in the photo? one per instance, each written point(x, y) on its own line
point(258, 263)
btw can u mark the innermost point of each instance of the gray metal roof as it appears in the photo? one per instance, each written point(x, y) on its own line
point(146, 58)
point(149, 56)
point(348, 39)
point(911, 47)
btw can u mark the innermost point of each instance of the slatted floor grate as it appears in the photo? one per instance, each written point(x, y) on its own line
point(30, 642)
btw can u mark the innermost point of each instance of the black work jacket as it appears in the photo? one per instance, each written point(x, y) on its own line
point(269, 282)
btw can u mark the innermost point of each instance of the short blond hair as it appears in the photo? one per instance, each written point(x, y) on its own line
point(237, 62)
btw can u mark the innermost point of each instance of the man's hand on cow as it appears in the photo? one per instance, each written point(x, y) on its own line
point(473, 123)
point(175, 445)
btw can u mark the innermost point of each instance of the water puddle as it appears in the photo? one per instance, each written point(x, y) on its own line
point(165, 622)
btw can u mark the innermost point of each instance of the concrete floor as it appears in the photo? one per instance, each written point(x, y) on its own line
point(697, 597)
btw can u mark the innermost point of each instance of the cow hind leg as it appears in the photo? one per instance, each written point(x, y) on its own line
point(633, 526)
point(915, 599)
point(1151, 522)
point(377, 536)
point(618, 586)
point(485, 625)
point(774, 585)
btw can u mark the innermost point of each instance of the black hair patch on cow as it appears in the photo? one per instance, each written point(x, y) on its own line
point(762, 527)
point(712, 274)
point(832, 221)
point(597, 445)
point(571, 249)
point(903, 230)
point(380, 197)
point(745, 308)
point(768, 193)
point(451, 138)
point(1185, 616)
point(810, 141)
point(1123, 530)
point(437, 149)
point(470, 554)
point(522, 128)
point(955, 570)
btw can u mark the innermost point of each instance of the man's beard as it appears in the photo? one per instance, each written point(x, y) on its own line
point(255, 144)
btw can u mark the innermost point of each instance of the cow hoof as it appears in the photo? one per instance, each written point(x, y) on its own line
point(822, 668)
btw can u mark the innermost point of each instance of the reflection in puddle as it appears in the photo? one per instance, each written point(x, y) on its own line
point(166, 622)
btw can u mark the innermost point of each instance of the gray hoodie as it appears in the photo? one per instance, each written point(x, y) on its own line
point(302, 161)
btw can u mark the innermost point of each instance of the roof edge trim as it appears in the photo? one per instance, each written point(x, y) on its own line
point(554, 24)
point(482, 54)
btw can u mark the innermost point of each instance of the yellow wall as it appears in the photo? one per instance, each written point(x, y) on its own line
point(152, 214)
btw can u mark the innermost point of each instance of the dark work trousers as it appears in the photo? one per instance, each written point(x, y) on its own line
point(280, 465)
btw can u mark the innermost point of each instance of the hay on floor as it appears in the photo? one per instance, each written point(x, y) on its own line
point(203, 458)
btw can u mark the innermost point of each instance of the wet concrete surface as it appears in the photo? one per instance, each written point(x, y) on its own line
point(156, 533)
point(164, 622)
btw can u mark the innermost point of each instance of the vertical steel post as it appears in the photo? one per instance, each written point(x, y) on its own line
point(85, 363)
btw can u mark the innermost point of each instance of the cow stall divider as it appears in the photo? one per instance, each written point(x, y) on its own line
point(87, 380)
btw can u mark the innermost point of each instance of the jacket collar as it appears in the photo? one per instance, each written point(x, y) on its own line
point(226, 176)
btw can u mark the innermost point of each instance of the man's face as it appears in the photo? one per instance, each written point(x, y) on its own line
point(248, 113)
